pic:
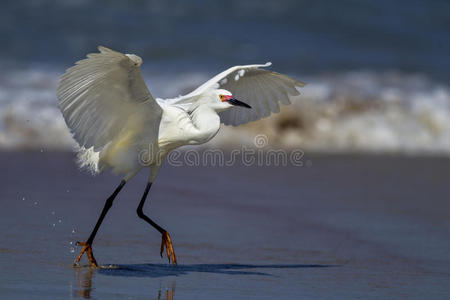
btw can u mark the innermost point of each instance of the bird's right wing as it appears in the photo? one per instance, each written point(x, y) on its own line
point(100, 94)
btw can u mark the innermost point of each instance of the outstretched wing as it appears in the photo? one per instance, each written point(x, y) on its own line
point(98, 95)
point(263, 90)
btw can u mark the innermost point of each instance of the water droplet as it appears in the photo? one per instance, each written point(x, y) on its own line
point(72, 250)
point(42, 150)
point(73, 231)
point(71, 243)
point(67, 191)
point(53, 213)
point(53, 224)
point(35, 203)
point(23, 198)
point(59, 221)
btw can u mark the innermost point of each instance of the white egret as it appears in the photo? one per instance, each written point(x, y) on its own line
point(114, 118)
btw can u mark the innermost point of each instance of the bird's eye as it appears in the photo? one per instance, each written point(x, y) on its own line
point(221, 96)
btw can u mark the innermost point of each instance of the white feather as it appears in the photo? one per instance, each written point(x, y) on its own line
point(263, 90)
point(89, 159)
point(115, 119)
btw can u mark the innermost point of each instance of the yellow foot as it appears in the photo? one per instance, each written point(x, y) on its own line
point(88, 249)
point(167, 242)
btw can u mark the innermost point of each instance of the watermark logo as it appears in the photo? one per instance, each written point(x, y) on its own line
point(258, 155)
point(261, 140)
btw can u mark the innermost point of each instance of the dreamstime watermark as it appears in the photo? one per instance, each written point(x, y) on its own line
point(260, 155)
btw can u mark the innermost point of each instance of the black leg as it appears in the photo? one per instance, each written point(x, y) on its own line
point(166, 241)
point(107, 206)
point(87, 246)
point(141, 214)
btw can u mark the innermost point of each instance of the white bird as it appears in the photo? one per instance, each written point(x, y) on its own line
point(115, 120)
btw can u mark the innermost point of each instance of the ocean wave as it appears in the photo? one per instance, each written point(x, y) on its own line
point(338, 112)
point(365, 112)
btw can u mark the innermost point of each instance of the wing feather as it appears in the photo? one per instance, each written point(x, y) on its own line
point(101, 93)
point(262, 89)
point(266, 90)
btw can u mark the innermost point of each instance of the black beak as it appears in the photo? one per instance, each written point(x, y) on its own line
point(236, 102)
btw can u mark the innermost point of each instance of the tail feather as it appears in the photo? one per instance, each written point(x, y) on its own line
point(89, 159)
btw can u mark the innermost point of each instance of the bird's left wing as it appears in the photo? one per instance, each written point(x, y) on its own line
point(263, 90)
point(101, 94)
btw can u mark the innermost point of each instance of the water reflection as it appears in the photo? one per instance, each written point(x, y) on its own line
point(168, 295)
point(84, 277)
point(84, 282)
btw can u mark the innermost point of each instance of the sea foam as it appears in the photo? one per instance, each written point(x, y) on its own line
point(360, 111)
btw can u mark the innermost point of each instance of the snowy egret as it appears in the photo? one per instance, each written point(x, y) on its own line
point(114, 118)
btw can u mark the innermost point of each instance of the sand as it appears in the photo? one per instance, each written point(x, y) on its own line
point(341, 226)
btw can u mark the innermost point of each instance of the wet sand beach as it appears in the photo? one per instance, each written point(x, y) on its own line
point(340, 227)
point(337, 226)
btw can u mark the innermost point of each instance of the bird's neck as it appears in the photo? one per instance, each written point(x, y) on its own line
point(206, 122)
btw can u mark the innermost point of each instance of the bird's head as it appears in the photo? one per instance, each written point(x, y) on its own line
point(224, 99)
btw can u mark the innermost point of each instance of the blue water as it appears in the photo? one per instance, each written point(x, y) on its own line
point(301, 37)
point(389, 57)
